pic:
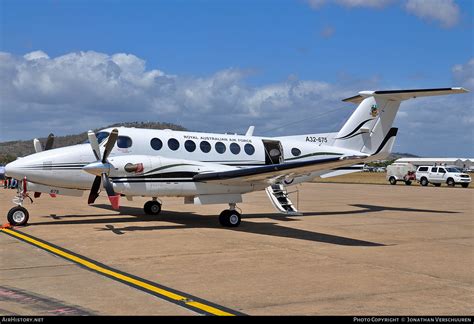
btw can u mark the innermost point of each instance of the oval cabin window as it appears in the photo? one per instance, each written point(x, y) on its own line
point(235, 148)
point(173, 144)
point(156, 144)
point(205, 146)
point(220, 147)
point(190, 146)
point(249, 149)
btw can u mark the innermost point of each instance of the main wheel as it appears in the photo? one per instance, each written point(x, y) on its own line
point(152, 207)
point(392, 181)
point(424, 182)
point(230, 218)
point(450, 182)
point(18, 216)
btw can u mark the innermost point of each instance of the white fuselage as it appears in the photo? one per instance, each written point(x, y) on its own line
point(170, 159)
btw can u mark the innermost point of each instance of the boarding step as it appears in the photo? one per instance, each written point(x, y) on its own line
point(279, 197)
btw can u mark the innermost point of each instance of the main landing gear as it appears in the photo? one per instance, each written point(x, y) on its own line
point(152, 207)
point(230, 217)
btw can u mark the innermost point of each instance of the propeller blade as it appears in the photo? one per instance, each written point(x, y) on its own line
point(107, 185)
point(94, 144)
point(37, 145)
point(114, 199)
point(94, 190)
point(49, 142)
point(110, 144)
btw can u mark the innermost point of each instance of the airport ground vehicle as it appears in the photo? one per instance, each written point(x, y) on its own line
point(401, 172)
point(442, 174)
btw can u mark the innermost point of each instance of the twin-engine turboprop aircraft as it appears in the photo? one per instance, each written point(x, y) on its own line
point(207, 168)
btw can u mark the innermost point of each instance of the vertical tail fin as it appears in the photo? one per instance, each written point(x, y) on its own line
point(369, 129)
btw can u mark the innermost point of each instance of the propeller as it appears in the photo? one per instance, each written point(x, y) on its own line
point(49, 142)
point(101, 169)
point(48, 146)
point(39, 148)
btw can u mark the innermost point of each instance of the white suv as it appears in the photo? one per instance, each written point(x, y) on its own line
point(442, 174)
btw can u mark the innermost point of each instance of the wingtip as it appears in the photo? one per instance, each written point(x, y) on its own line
point(461, 89)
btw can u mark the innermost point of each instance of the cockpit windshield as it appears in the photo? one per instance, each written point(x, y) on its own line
point(101, 136)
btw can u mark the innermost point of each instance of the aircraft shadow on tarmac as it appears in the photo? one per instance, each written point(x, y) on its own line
point(185, 220)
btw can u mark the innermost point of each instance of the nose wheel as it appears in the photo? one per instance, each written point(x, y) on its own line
point(152, 207)
point(18, 216)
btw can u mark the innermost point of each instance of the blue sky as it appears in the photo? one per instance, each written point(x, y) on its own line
point(231, 54)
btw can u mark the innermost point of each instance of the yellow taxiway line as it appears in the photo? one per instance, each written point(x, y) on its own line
point(190, 302)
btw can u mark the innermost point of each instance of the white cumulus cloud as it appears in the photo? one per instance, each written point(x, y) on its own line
point(463, 74)
point(36, 55)
point(445, 12)
point(316, 4)
point(85, 90)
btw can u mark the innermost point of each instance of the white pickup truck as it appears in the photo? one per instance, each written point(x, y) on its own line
point(442, 174)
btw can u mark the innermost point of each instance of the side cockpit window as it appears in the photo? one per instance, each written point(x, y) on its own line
point(101, 136)
point(124, 142)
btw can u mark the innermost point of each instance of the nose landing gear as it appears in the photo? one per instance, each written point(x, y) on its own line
point(18, 215)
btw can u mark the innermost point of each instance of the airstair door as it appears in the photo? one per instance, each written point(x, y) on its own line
point(273, 152)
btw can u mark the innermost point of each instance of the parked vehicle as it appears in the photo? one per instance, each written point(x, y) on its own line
point(437, 175)
point(401, 172)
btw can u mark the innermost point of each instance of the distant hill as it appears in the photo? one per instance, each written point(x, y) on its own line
point(9, 151)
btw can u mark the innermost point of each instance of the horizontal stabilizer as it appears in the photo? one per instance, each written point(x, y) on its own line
point(400, 95)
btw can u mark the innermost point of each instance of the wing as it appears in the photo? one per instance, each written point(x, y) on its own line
point(270, 174)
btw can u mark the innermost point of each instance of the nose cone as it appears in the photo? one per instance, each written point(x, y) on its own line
point(14, 169)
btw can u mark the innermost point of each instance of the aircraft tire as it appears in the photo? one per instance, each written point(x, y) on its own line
point(230, 218)
point(18, 216)
point(152, 207)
